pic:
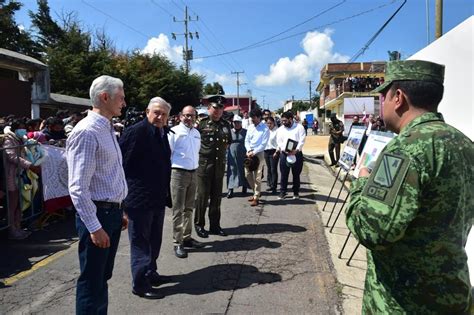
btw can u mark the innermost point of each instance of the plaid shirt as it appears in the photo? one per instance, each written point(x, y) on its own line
point(95, 169)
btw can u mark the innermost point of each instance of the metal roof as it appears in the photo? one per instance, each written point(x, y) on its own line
point(16, 61)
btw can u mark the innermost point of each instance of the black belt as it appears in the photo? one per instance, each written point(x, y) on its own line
point(182, 169)
point(108, 205)
point(270, 150)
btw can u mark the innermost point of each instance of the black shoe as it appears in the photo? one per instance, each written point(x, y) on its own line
point(156, 280)
point(217, 231)
point(151, 294)
point(201, 232)
point(180, 252)
point(192, 243)
point(274, 192)
point(269, 189)
point(244, 190)
point(282, 195)
point(230, 194)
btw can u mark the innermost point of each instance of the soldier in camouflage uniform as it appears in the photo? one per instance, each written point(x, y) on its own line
point(215, 138)
point(336, 130)
point(414, 211)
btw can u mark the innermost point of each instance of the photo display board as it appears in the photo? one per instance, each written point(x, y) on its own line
point(352, 145)
point(375, 143)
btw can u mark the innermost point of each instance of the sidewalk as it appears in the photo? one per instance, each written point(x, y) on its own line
point(351, 277)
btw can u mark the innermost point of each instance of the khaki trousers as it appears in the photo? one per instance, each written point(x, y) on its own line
point(183, 192)
point(254, 178)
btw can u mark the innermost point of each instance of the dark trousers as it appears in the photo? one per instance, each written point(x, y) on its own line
point(145, 231)
point(210, 177)
point(272, 169)
point(295, 171)
point(96, 263)
point(333, 145)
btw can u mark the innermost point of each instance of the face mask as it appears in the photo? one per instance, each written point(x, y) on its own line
point(20, 133)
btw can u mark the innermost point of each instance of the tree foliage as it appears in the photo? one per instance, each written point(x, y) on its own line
point(213, 89)
point(11, 36)
point(76, 56)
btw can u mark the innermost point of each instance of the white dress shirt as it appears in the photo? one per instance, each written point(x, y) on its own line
point(295, 132)
point(185, 144)
point(257, 137)
point(272, 142)
point(245, 123)
point(95, 170)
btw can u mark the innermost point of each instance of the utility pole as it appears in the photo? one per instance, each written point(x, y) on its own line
point(310, 100)
point(238, 87)
point(187, 53)
point(263, 101)
point(439, 19)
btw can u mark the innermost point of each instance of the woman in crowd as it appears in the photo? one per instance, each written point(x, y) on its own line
point(235, 159)
point(15, 164)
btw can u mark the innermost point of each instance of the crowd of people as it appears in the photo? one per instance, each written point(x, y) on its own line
point(120, 180)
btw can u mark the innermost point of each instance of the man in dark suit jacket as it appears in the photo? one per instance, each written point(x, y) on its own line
point(147, 164)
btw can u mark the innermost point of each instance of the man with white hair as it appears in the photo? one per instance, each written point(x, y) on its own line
point(147, 164)
point(97, 187)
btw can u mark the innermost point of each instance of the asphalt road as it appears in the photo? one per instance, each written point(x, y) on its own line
point(275, 261)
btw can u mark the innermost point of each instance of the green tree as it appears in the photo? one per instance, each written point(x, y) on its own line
point(213, 89)
point(11, 36)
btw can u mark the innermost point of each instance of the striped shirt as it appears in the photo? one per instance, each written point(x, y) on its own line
point(95, 169)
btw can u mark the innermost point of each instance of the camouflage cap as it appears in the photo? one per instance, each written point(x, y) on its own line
point(411, 70)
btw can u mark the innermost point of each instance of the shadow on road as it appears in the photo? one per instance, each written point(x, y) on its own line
point(267, 228)
point(224, 277)
point(22, 255)
point(236, 245)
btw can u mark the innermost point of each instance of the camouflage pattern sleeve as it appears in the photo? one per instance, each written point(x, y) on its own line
point(383, 205)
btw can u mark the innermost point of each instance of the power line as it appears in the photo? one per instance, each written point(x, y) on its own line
point(116, 20)
point(252, 46)
point(162, 8)
point(216, 40)
point(297, 25)
point(366, 46)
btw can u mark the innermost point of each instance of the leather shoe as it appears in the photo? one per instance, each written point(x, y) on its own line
point(251, 198)
point(156, 280)
point(230, 194)
point(180, 252)
point(192, 243)
point(254, 203)
point(218, 231)
point(150, 295)
point(201, 232)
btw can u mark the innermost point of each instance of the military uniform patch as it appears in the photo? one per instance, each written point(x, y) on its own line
point(387, 178)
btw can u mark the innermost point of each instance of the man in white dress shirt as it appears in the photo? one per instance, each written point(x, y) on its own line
point(290, 159)
point(255, 143)
point(97, 187)
point(185, 142)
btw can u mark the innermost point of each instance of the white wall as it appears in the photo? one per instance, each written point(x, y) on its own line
point(455, 50)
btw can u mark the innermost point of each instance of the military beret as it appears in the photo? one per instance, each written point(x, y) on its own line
point(217, 100)
point(411, 70)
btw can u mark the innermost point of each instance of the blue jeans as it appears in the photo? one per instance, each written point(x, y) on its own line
point(96, 263)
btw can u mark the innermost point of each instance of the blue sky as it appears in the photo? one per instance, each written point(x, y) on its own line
point(313, 33)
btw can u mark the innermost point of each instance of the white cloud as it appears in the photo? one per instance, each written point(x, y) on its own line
point(161, 45)
point(211, 76)
point(317, 52)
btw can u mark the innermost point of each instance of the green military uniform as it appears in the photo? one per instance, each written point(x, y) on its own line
point(215, 137)
point(414, 214)
point(335, 139)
